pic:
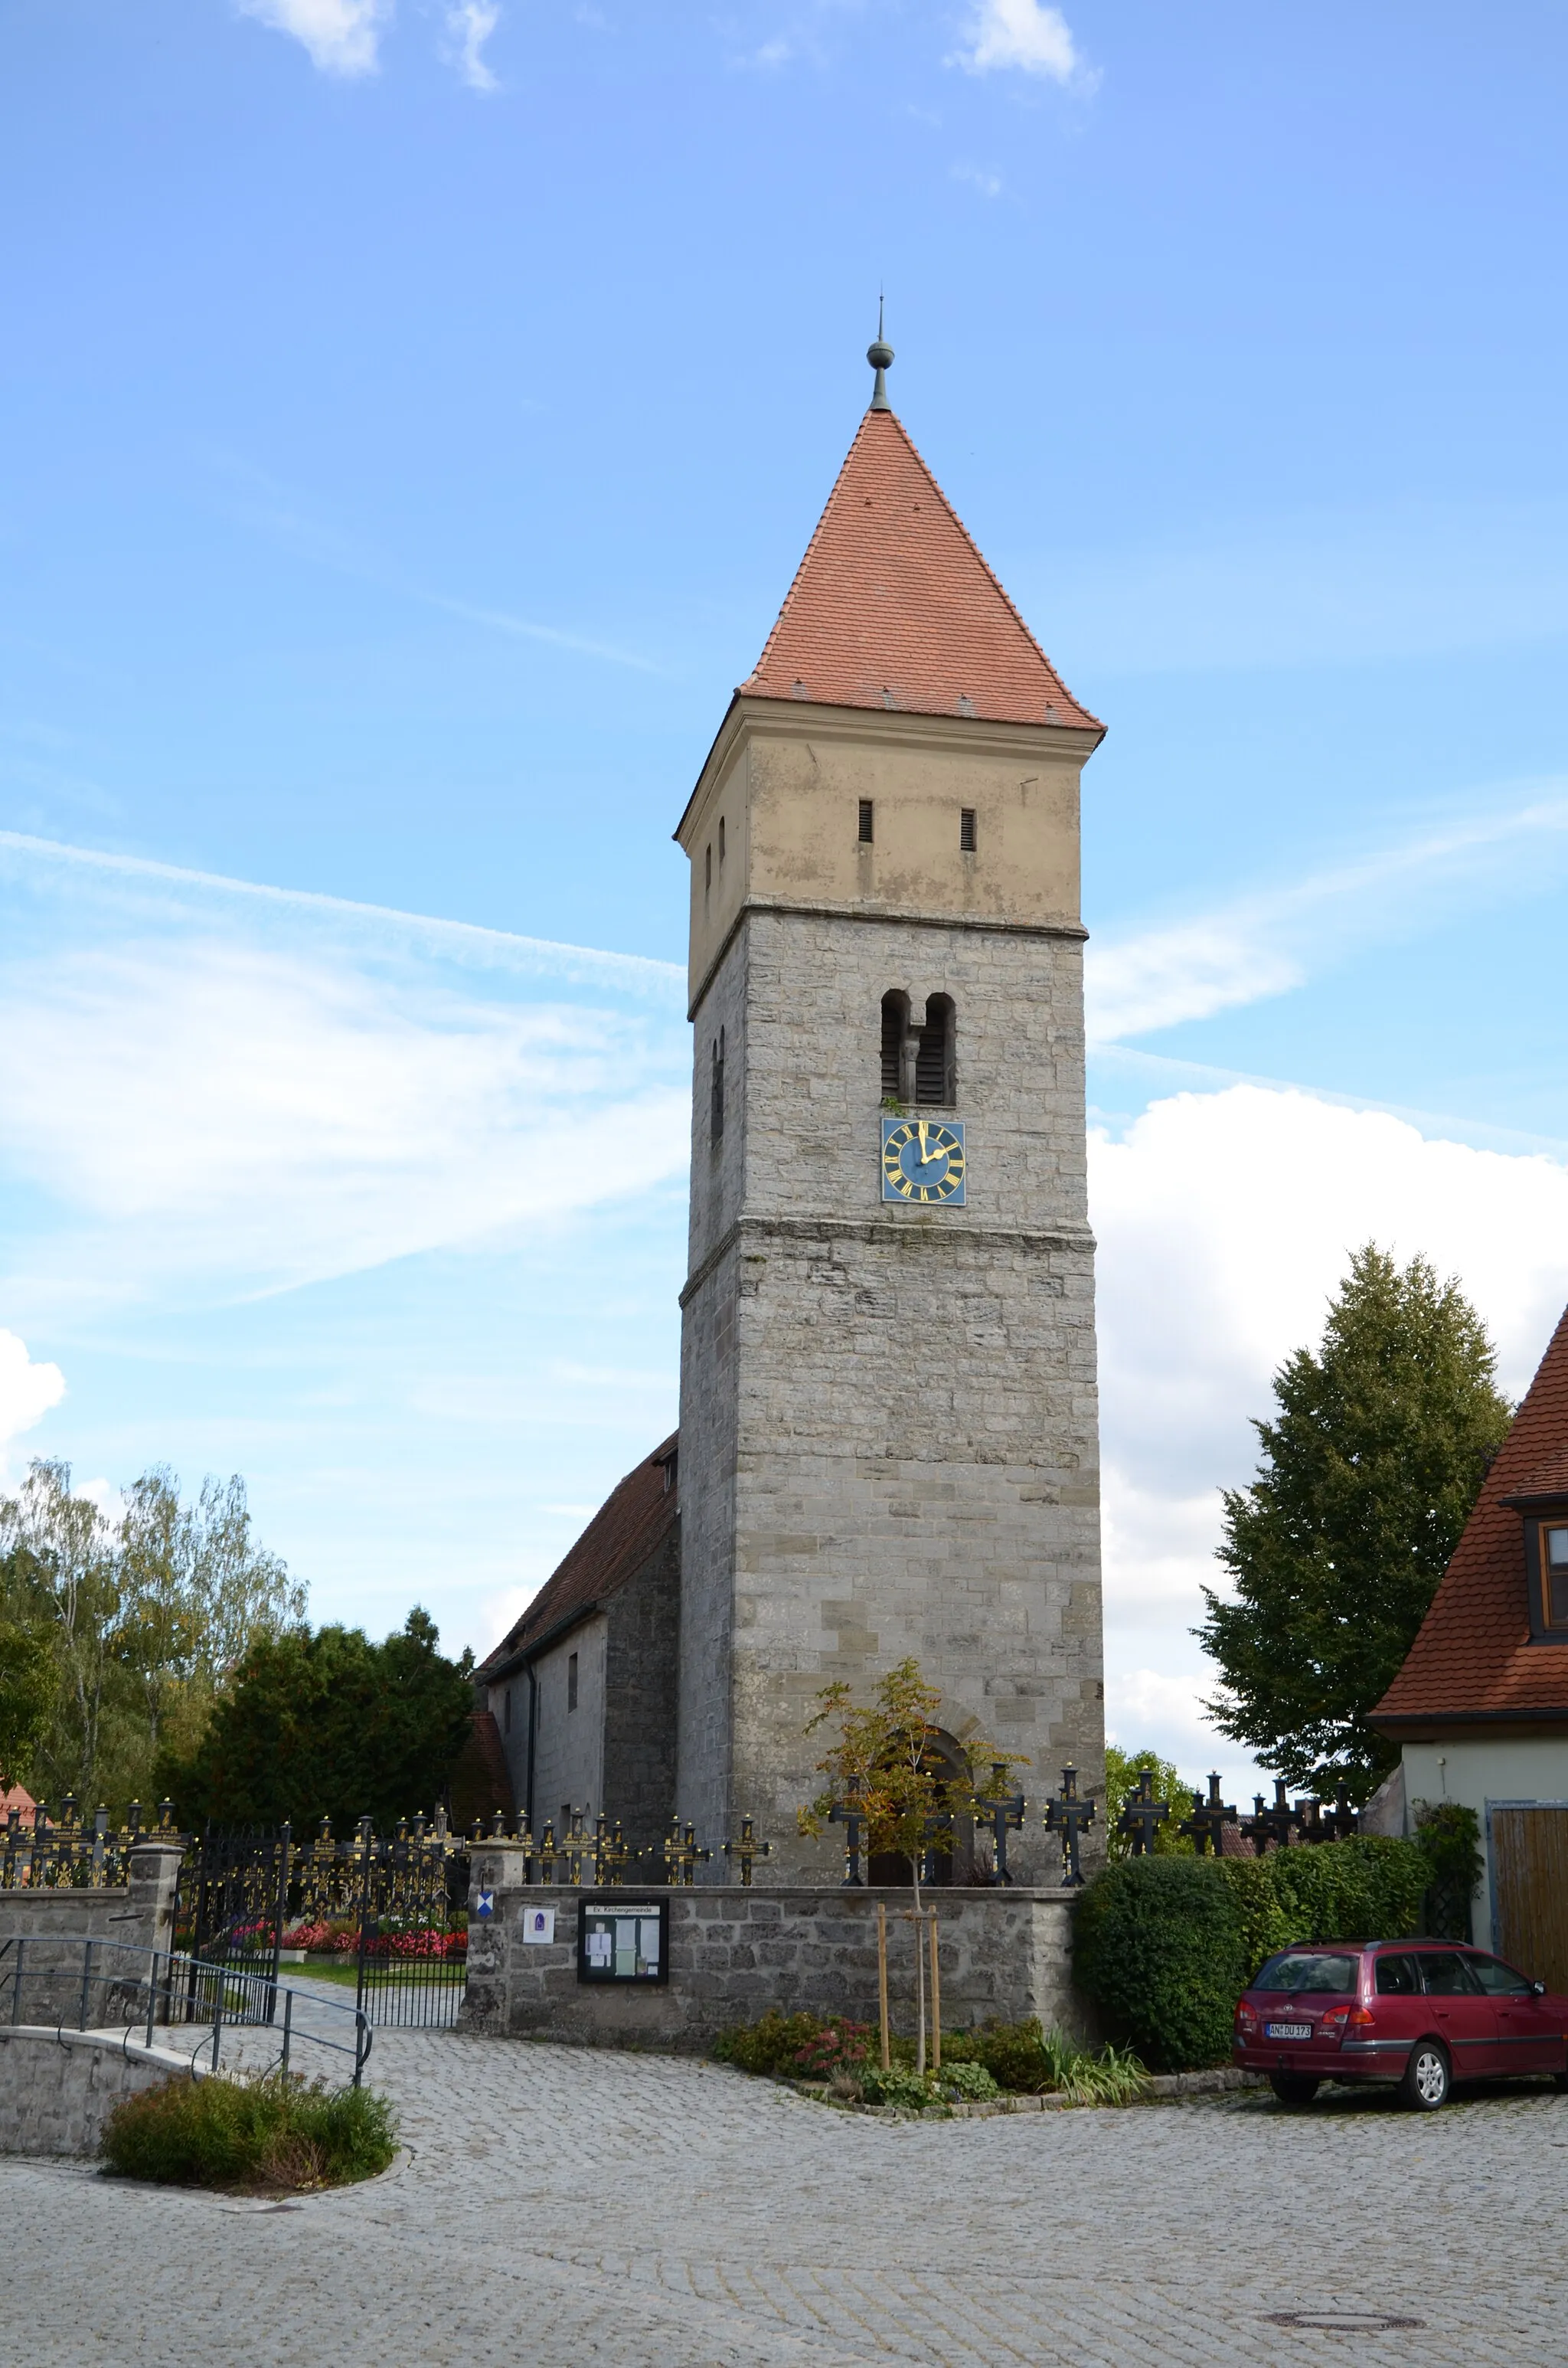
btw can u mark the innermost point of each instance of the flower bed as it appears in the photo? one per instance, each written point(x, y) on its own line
point(977, 2065)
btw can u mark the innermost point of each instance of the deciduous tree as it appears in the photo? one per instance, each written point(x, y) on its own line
point(1369, 1471)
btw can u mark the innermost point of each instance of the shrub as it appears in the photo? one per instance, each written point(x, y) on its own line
point(268, 2133)
point(972, 2081)
point(1158, 1948)
point(770, 2045)
point(840, 2047)
point(1165, 1947)
point(899, 2087)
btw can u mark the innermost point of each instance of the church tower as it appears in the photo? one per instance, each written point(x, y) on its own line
point(889, 1437)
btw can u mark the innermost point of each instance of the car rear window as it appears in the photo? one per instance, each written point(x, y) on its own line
point(1309, 1969)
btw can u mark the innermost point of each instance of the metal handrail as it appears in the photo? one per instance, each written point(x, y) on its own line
point(185, 1983)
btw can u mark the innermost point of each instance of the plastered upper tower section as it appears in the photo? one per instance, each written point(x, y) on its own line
point(898, 675)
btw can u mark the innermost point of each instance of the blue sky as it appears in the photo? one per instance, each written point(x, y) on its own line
point(410, 418)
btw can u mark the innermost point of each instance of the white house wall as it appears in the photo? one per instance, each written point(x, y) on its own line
point(1480, 1774)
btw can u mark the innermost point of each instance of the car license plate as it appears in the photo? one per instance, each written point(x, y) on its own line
point(1287, 2030)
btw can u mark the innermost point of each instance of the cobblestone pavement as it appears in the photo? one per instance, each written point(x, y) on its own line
point(629, 2210)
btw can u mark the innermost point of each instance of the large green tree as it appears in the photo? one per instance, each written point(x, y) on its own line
point(1368, 1471)
point(322, 1723)
point(144, 1610)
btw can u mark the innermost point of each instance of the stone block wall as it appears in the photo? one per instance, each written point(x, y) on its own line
point(58, 2088)
point(734, 1953)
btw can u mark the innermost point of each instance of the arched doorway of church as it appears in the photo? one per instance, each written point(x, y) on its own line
point(944, 1867)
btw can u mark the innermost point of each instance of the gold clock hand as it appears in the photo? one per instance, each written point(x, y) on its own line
point(925, 1154)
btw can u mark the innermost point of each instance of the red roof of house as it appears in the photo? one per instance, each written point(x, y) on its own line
point(17, 1798)
point(893, 605)
point(632, 1522)
point(1474, 1657)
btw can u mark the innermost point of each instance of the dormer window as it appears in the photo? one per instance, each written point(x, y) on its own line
point(1553, 1554)
point(1545, 1524)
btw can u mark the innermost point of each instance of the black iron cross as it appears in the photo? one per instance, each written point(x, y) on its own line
point(1342, 1820)
point(1142, 1814)
point(1004, 1812)
point(1208, 1819)
point(746, 1851)
point(611, 1856)
point(1068, 1816)
point(841, 1814)
point(682, 1857)
point(1272, 1824)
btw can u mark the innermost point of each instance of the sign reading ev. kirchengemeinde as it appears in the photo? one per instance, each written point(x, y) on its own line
point(623, 1939)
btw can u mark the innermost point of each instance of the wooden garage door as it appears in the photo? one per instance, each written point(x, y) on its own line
point(1530, 1878)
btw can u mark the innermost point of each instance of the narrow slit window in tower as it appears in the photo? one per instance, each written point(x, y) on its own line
point(720, 838)
point(716, 1109)
point(572, 1682)
point(707, 868)
point(895, 1025)
point(966, 830)
point(934, 1061)
point(867, 817)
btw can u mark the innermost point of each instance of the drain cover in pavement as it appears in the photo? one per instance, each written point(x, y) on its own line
point(1343, 2322)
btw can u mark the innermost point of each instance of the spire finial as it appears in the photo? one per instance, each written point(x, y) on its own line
point(879, 355)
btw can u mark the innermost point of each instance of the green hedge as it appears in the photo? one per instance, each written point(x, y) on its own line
point(1166, 1946)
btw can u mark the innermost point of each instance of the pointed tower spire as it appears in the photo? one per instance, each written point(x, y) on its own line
point(879, 355)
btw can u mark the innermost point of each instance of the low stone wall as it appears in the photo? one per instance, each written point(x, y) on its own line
point(58, 2088)
point(40, 1929)
point(733, 1954)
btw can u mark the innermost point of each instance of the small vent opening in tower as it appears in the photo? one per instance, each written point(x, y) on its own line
point(867, 817)
point(967, 841)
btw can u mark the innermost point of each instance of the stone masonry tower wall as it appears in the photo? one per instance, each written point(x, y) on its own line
point(888, 1433)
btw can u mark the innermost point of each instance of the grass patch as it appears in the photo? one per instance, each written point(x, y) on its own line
point(265, 2133)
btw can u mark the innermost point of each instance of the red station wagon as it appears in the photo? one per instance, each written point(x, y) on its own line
point(1425, 2014)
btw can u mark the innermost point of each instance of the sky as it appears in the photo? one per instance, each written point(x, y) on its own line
point(412, 412)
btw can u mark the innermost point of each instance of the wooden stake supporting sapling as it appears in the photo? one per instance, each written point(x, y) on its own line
point(936, 1999)
point(882, 1979)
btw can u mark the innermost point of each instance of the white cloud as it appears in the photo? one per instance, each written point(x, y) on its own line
point(274, 1117)
point(1225, 1221)
point(214, 1090)
point(1263, 945)
point(1025, 35)
point(27, 1391)
point(342, 36)
point(988, 183)
point(470, 24)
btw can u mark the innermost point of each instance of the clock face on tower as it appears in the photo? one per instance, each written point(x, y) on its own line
point(923, 1160)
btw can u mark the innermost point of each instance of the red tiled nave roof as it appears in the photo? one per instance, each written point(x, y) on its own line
point(1474, 1657)
point(628, 1525)
point(893, 605)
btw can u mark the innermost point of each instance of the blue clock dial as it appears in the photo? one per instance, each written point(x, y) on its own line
point(923, 1161)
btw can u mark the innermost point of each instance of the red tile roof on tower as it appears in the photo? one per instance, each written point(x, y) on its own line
point(1474, 1657)
point(893, 605)
point(632, 1522)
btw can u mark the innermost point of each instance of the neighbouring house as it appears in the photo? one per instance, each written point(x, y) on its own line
point(18, 1799)
point(1480, 1708)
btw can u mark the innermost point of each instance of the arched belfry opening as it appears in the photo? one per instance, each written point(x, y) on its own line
point(934, 1080)
point(918, 1061)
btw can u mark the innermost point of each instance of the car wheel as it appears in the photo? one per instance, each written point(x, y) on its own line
point(1293, 2087)
point(1426, 2078)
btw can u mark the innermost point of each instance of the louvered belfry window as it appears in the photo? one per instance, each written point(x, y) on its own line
point(895, 1022)
point(934, 1061)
